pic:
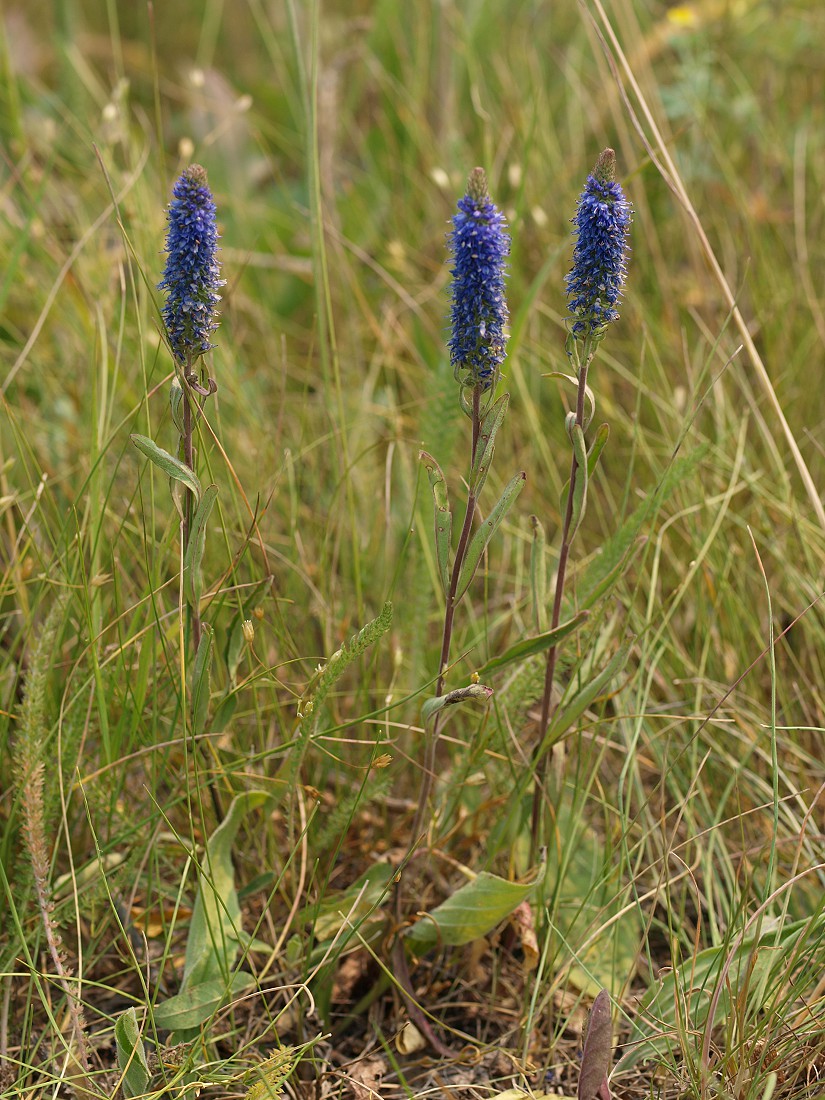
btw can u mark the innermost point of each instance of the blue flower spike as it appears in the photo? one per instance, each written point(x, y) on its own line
point(191, 277)
point(597, 278)
point(480, 244)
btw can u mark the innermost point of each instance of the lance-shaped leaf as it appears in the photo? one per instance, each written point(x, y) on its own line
point(597, 1051)
point(529, 646)
point(471, 912)
point(580, 481)
point(171, 466)
point(538, 575)
point(569, 713)
point(215, 928)
point(176, 400)
point(490, 424)
point(131, 1055)
point(483, 535)
point(460, 695)
point(192, 582)
point(201, 680)
point(443, 517)
point(596, 448)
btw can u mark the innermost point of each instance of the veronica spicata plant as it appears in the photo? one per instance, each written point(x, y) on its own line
point(480, 244)
point(594, 289)
point(191, 280)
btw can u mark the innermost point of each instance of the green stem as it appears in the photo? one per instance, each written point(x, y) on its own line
point(540, 761)
point(401, 970)
point(446, 638)
point(189, 459)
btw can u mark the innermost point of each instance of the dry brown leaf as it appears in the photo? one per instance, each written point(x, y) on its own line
point(409, 1039)
point(366, 1077)
point(522, 919)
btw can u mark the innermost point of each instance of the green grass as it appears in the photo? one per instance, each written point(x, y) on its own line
point(686, 865)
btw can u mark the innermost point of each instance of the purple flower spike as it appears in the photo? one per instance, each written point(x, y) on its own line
point(596, 281)
point(191, 277)
point(480, 245)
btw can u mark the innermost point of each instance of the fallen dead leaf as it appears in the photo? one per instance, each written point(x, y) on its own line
point(409, 1039)
point(522, 919)
point(366, 1077)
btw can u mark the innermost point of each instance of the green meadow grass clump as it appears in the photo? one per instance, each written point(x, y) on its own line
point(304, 787)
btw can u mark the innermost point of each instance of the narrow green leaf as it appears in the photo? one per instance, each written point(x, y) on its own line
point(201, 680)
point(194, 1005)
point(131, 1055)
point(596, 447)
point(213, 941)
point(171, 466)
point(569, 713)
point(490, 424)
point(526, 648)
point(176, 400)
point(686, 993)
point(483, 535)
point(192, 558)
point(471, 912)
point(443, 517)
point(538, 575)
point(580, 487)
point(460, 695)
point(224, 712)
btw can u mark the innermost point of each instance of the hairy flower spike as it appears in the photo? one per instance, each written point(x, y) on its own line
point(191, 277)
point(595, 283)
point(480, 245)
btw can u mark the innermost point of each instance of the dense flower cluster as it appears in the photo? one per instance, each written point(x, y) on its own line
point(191, 277)
point(480, 245)
point(595, 283)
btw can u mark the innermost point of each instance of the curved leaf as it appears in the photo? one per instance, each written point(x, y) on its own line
point(486, 531)
point(574, 382)
point(567, 715)
point(490, 424)
point(193, 556)
point(171, 466)
point(526, 648)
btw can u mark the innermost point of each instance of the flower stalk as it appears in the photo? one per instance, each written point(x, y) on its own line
point(594, 288)
point(191, 280)
point(480, 245)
